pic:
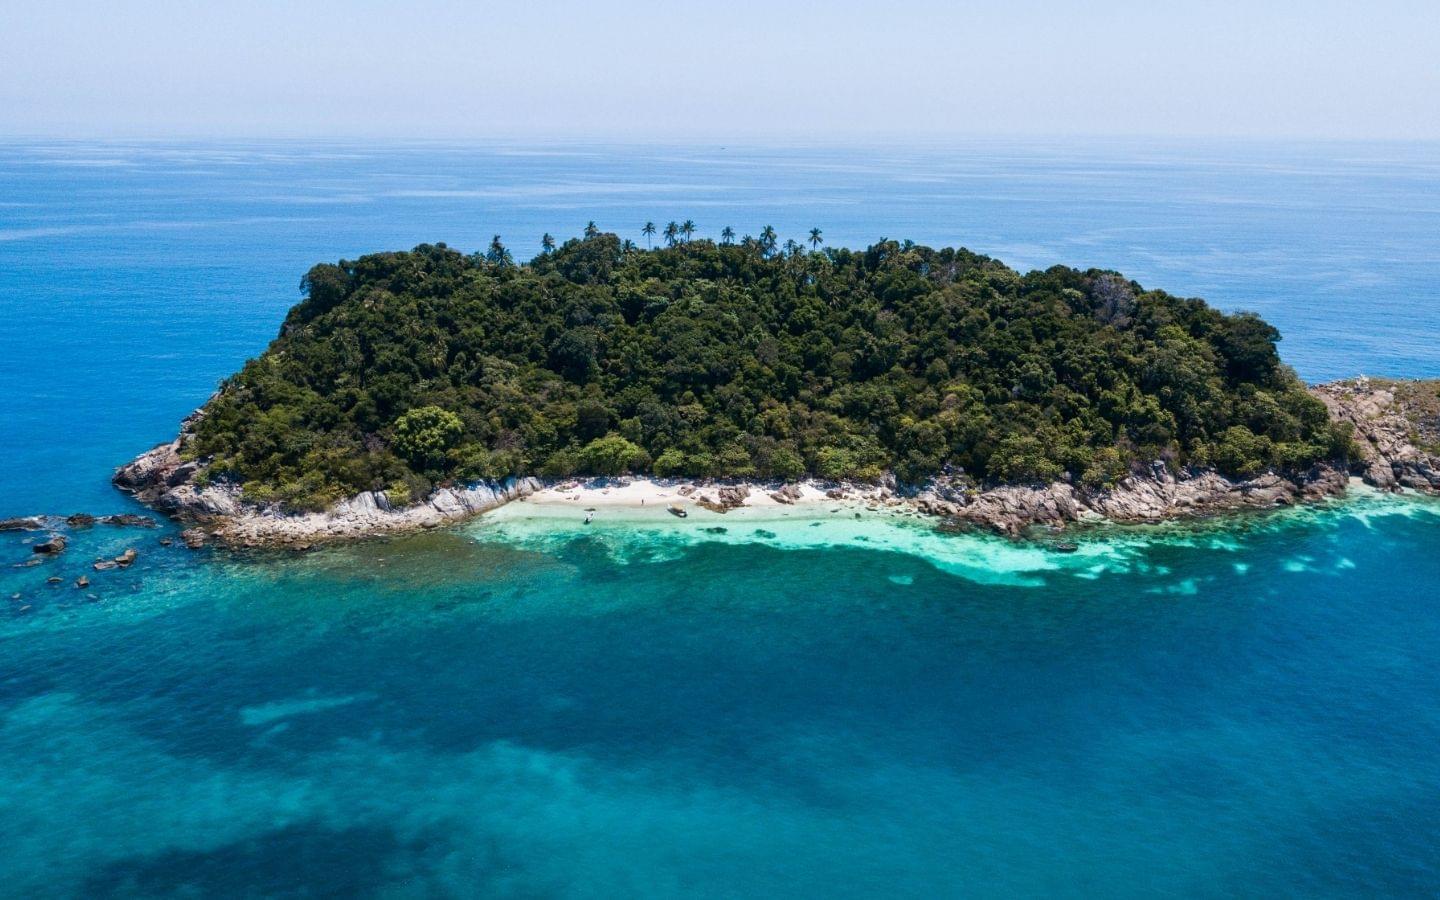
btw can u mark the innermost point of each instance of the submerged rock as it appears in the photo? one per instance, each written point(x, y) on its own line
point(129, 520)
point(54, 546)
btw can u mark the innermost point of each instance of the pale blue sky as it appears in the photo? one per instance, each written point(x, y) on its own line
point(739, 69)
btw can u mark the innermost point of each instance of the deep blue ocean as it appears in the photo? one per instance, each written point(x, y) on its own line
point(811, 706)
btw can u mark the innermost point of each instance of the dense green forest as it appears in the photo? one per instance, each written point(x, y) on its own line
point(402, 370)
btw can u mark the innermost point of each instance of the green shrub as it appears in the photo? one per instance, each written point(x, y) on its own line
point(1241, 451)
point(1023, 458)
point(1105, 468)
point(612, 455)
point(671, 462)
point(423, 435)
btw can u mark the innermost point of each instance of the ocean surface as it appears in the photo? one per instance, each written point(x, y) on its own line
point(786, 705)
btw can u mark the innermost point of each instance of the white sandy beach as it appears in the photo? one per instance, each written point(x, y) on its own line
point(660, 494)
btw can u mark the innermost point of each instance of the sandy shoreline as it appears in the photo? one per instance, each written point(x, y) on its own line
point(649, 501)
point(662, 493)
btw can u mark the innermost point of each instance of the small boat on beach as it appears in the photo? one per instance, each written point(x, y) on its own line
point(677, 510)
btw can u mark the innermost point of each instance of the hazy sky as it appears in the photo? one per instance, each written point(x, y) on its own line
point(737, 69)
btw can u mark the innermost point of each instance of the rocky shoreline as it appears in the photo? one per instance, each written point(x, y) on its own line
point(1390, 436)
point(162, 479)
point(1156, 495)
point(1396, 429)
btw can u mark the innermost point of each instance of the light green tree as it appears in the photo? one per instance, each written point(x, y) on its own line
point(612, 455)
point(423, 434)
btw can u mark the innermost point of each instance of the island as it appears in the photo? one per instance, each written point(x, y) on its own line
point(410, 389)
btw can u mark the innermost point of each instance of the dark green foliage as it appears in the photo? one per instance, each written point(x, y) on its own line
point(404, 369)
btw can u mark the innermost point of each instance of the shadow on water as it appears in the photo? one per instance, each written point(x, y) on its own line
point(295, 861)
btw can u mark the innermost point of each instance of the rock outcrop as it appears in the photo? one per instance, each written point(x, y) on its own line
point(730, 496)
point(52, 546)
point(1396, 429)
point(164, 479)
point(1151, 496)
point(787, 494)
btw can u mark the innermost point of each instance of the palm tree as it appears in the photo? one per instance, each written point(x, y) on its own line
point(497, 253)
point(792, 248)
point(547, 243)
point(648, 231)
point(727, 234)
point(671, 231)
point(816, 237)
point(688, 229)
point(628, 246)
point(767, 239)
point(591, 230)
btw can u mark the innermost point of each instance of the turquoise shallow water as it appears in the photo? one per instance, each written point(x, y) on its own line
point(804, 705)
point(639, 709)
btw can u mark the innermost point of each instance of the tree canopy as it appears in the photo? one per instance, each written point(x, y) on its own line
point(401, 370)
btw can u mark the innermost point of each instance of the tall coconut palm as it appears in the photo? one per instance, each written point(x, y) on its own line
point(688, 229)
point(497, 253)
point(792, 248)
point(767, 239)
point(672, 231)
point(648, 231)
point(592, 230)
point(547, 243)
point(816, 238)
point(727, 234)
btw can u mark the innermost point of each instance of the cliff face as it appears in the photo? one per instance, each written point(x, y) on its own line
point(1397, 429)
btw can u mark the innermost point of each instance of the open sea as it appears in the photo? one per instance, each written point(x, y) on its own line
point(757, 704)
